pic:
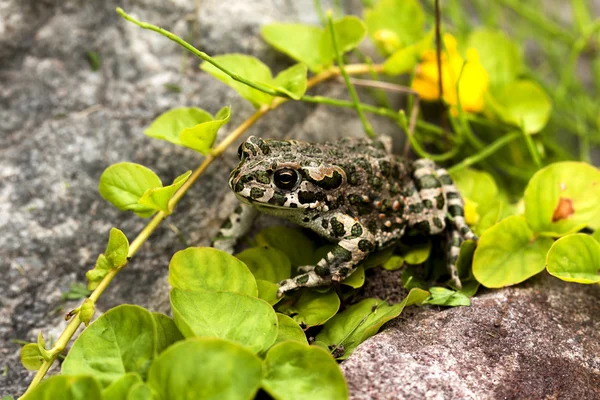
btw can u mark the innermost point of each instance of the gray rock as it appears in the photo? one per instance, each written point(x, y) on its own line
point(539, 340)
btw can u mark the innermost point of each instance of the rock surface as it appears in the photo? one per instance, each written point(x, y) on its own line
point(539, 340)
point(62, 124)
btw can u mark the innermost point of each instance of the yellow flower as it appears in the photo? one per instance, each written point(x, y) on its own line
point(472, 78)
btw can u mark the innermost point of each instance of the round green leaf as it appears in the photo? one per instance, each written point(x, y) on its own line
point(268, 291)
point(169, 125)
point(393, 263)
point(403, 18)
point(441, 296)
point(65, 387)
point(248, 67)
point(509, 253)
point(141, 391)
point(266, 263)
point(232, 316)
point(117, 248)
point(119, 389)
point(596, 235)
point(563, 198)
point(31, 357)
point(202, 136)
point(289, 330)
point(499, 55)
point(206, 368)
point(122, 340)
point(523, 103)
point(362, 320)
point(296, 371)
point(123, 184)
point(205, 268)
point(575, 258)
point(477, 186)
point(313, 308)
point(292, 81)
point(356, 278)
point(292, 242)
point(415, 253)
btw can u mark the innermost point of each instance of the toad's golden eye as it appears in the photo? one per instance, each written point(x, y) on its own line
point(286, 178)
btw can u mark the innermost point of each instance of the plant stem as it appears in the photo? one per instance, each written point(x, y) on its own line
point(361, 115)
point(488, 151)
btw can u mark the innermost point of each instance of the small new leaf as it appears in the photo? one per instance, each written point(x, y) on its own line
point(94, 276)
point(117, 248)
point(31, 357)
point(86, 312)
point(158, 198)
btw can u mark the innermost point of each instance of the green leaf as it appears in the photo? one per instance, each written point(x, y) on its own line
point(296, 371)
point(31, 357)
point(312, 45)
point(65, 387)
point(477, 186)
point(206, 368)
point(356, 278)
point(202, 136)
point(292, 242)
point(362, 320)
point(445, 297)
point(403, 61)
point(268, 291)
point(86, 313)
point(266, 263)
point(563, 198)
point(158, 198)
point(167, 332)
point(509, 253)
point(141, 391)
point(415, 253)
point(377, 258)
point(523, 103)
point(575, 258)
point(402, 18)
point(123, 184)
point(500, 56)
point(205, 268)
point(189, 126)
point(232, 316)
point(248, 67)
point(94, 276)
point(122, 340)
point(119, 389)
point(393, 263)
point(596, 235)
point(411, 278)
point(117, 248)
point(312, 307)
point(289, 330)
point(292, 81)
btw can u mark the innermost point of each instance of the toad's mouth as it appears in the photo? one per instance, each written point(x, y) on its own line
point(260, 205)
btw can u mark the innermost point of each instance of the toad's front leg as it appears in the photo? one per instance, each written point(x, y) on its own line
point(234, 227)
point(355, 243)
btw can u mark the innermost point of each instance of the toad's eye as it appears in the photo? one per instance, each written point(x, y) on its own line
point(286, 178)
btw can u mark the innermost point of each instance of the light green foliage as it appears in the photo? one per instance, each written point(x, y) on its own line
point(499, 55)
point(289, 330)
point(312, 307)
point(563, 198)
point(120, 388)
point(206, 368)
point(289, 83)
point(190, 127)
point(441, 296)
point(158, 198)
point(405, 59)
point(141, 391)
point(412, 254)
point(292, 242)
point(508, 253)
point(312, 45)
point(356, 278)
point(133, 187)
point(266, 263)
point(31, 357)
point(523, 103)
point(596, 235)
point(296, 371)
point(362, 320)
point(115, 256)
point(167, 332)
point(248, 321)
point(575, 258)
point(268, 291)
point(122, 340)
point(205, 268)
point(65, 387)
point(400, 22)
